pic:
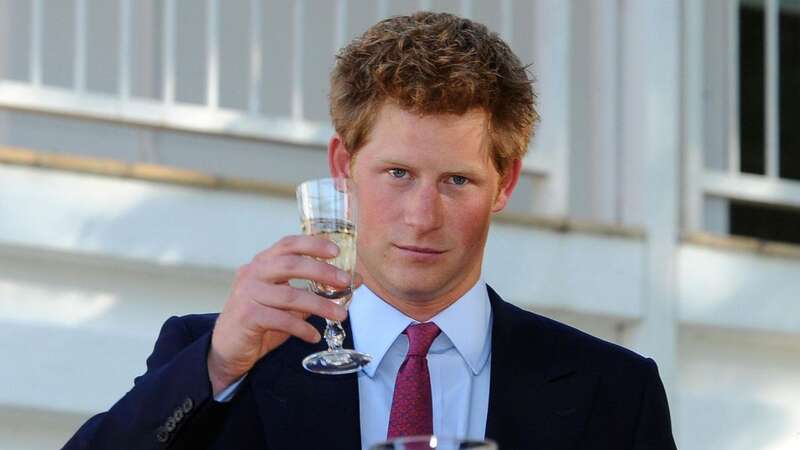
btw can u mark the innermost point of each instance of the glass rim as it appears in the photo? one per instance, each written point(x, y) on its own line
point(419, 439)
point(335, 181)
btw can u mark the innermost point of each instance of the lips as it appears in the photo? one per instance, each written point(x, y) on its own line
point(421, 250)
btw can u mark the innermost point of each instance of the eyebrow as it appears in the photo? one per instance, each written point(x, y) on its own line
point(464, 170)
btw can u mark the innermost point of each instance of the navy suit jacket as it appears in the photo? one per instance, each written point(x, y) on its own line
point(552, 387)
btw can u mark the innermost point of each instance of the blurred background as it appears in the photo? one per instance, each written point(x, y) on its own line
point(150, 147)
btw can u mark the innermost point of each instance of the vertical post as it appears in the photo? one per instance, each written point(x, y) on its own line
point(79, 77)
point(771, 29)
point(466, 8)
point(651, 36)
point(254, 98)
point(168, 52)
point(507, 20)
point(607, 195)
point(4, 55)
point(297, 60)
point(147, 51)
point(341, 25)
point(693, 115)
point(551, 66)
point(212, 54)
point(36, 43)
point(124, 72)
point(732, 34)
point(383, 9)
point(144, 64)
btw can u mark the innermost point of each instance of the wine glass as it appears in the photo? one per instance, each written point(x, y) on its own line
point(434, 442)
point(328, 209)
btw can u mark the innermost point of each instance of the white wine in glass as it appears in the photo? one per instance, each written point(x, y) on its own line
point(328, 209)
point(343, 234)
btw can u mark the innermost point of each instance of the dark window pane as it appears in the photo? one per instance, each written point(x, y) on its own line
point(765, 222)
point(789, 42)
point(751, 88)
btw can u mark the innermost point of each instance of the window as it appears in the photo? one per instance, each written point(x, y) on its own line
point(753, 219)
point(753, 31)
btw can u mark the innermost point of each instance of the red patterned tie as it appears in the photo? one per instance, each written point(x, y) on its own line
point(412, 413)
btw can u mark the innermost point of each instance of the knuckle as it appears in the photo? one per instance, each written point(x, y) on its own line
point(293, 296)
point(243, 292)
point(323, 245)
point(262, 255)
point(242, 271)
point(240, 290)
point(282, 322)
point(332, 272)
point(288, 265)
point(287, 242)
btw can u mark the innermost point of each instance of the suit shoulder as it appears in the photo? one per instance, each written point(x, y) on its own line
point(195, 325)
point(587, 350)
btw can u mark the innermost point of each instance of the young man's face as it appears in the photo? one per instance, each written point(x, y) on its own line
point(426, 191)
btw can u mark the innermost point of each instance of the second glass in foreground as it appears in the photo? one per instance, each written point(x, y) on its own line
point(433, 442)
point(328, 209)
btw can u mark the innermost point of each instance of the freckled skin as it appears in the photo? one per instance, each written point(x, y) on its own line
point(426, 192)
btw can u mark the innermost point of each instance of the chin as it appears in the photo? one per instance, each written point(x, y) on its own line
point(418, 289)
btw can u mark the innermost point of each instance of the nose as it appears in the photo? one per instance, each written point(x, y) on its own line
point(423, 208)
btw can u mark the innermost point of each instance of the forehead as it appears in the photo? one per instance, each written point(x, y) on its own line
point(398, 132)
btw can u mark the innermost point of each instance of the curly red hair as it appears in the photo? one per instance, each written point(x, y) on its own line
point(434, 63)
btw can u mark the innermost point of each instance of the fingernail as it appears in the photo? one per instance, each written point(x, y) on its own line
point(333, 249)
point(342, 313)
point(318, 338)
point(343, 277)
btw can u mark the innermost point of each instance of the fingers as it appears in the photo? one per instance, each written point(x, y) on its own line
point(262, 310)
point(300, 245)
point(289, 299)
point(281, 269)
point(277, 320)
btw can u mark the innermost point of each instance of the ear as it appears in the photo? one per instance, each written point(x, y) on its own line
point(507, 185)
point(338, 158)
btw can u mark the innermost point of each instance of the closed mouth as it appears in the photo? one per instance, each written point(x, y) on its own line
point(425, 250)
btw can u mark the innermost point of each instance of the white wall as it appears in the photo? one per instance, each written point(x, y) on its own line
point(738, 391)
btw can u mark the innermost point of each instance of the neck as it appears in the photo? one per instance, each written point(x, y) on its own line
point(422, 307)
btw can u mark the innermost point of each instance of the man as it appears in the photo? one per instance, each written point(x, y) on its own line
point(433, 114)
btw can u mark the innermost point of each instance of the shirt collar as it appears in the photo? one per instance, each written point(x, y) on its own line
point(376, 324)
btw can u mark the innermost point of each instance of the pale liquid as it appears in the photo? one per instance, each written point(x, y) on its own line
point(343, 234)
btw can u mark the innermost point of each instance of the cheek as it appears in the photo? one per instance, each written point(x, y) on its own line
point(472, 233)
point(470, 223)
point(375, 212)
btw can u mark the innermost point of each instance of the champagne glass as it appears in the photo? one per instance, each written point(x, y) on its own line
point(328, 209)
point(434, 442)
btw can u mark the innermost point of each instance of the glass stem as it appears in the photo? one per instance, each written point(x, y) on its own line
point(334, 335)
point(334, 331)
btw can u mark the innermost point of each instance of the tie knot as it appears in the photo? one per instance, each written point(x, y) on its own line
point(420, 338)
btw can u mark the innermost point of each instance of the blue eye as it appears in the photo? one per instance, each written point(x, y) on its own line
point(459, 180)
point(398, 173)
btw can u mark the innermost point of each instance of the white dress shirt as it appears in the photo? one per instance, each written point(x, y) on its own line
point(458, 360)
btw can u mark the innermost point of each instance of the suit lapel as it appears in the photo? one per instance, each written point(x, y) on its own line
point(300, 409)
point(537, 397)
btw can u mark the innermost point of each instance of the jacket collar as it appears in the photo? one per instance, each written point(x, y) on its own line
point(537, 396)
